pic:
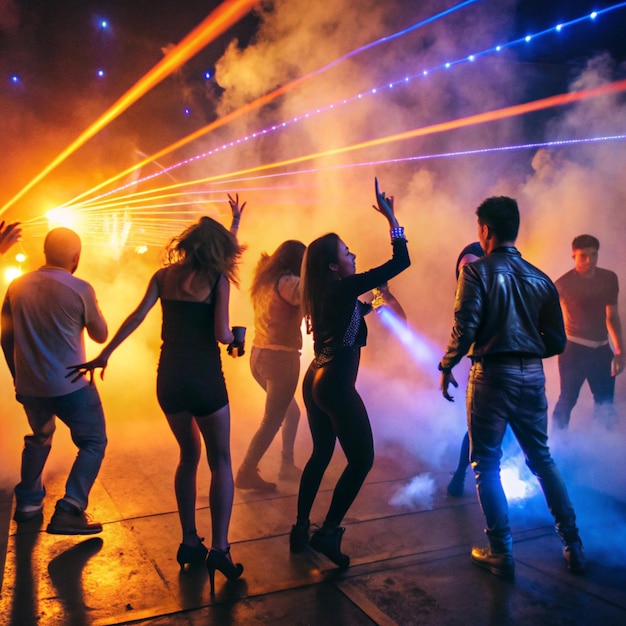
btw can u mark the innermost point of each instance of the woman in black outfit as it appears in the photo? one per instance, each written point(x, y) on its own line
point(194, 290)
point(330, 288)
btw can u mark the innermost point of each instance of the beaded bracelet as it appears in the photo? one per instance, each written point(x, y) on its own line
point(397, 232)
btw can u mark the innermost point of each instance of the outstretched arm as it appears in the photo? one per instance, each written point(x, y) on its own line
point(129, 325)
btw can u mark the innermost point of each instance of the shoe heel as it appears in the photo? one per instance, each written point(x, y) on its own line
point(220, 560)
point(211, 569)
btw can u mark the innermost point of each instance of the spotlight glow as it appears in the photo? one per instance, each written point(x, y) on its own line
point(11, 273)
point(422, 351)
point(65, 217)
point(515, 487)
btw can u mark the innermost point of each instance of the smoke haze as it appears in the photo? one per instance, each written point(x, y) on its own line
point(562, 192)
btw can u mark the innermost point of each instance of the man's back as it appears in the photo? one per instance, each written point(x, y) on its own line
point(49, 310)
point(506, 305)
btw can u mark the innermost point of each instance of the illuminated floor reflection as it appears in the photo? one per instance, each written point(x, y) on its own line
point(410, 561)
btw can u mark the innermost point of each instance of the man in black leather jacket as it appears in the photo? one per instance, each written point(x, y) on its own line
point(507, 317)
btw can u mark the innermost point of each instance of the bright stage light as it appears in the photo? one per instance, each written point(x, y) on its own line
point(20, 257)
point(515, 486)
point(11, 273)
point(61, 217)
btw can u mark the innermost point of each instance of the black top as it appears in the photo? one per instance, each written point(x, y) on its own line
point(338, 317)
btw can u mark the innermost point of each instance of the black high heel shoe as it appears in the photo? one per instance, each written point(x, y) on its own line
point(191, 555)
point(220, 560)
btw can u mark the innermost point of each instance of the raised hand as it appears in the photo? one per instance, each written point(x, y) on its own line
point(235, 208)
point(9, 235)
point(385, 205)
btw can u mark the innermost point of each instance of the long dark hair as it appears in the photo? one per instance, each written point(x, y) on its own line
point(208, 248)
point(316, 273)
point(287, 259)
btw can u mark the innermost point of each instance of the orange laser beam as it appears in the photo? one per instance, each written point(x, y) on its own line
point(215, 24)
point(222, 121)
point(480, 118)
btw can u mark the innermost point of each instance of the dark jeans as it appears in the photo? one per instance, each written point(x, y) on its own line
point(82, 412)
point(579, 363)
point(277, 371)
point(513, 394)
point(335, 411)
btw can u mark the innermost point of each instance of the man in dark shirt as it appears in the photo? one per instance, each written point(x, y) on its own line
point(589, 301)
point(507, 318)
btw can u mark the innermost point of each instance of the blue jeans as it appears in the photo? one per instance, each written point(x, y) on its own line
point(578, 363)
point(82, 412)
point(513, 394)
point(277, 371)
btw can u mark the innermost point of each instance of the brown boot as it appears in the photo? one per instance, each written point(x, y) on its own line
point(498, 563)
point(248, 478)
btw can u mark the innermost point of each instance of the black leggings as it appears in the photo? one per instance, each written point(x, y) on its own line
point(335, 411)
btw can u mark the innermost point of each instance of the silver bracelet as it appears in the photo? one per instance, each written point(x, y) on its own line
point(397, 232)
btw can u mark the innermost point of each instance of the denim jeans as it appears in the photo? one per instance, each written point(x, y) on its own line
point(82, 412)
point(277, 371)
point(513, 394)
point(578, 363)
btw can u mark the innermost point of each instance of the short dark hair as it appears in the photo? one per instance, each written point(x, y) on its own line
point(501, 215)
point(585, 241)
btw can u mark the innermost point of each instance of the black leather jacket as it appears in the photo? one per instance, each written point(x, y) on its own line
point(505, 306)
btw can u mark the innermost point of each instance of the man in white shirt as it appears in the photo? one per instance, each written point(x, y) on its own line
point(43, 317)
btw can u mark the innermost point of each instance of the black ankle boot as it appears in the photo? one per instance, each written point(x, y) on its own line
point(329, 544)
point(299, 538)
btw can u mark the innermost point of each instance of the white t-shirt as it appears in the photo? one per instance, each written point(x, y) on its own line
point(50, 309)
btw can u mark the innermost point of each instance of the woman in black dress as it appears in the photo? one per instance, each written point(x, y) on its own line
point(194, 289)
